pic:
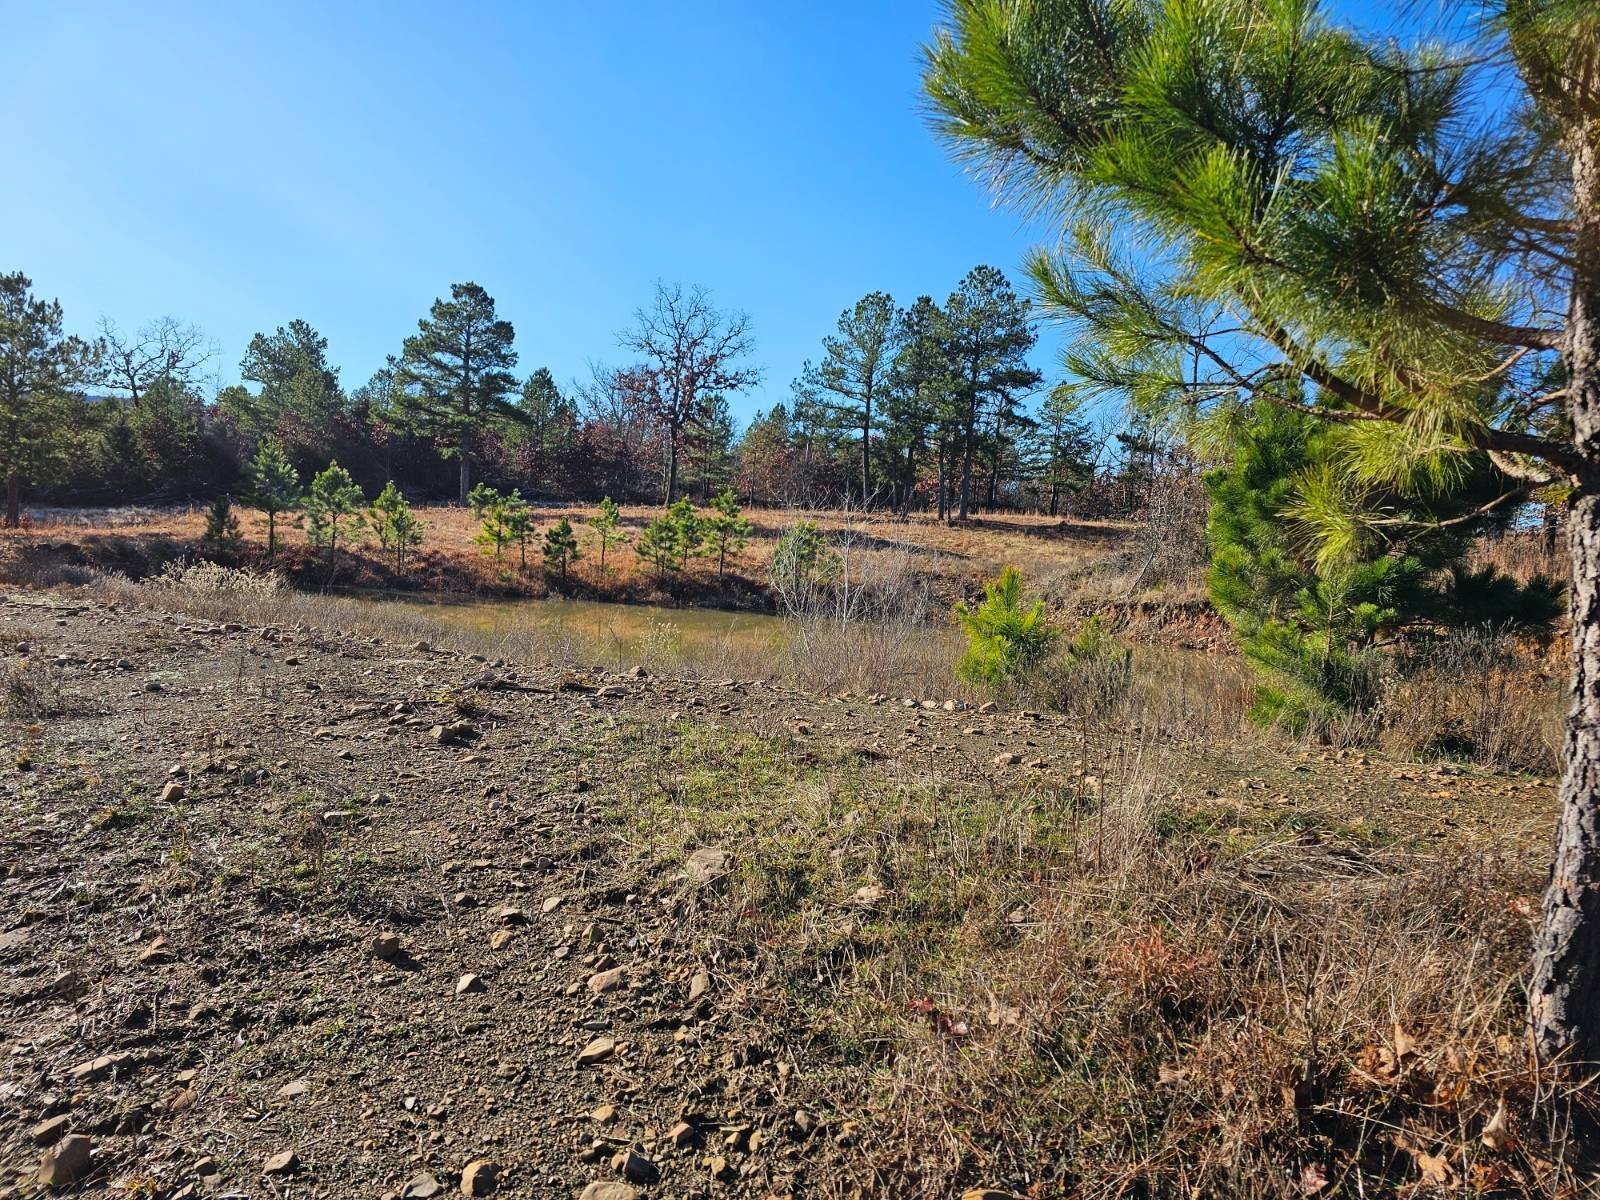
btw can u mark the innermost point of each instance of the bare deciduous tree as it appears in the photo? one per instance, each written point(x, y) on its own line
point(165, 348)
point(692, 353)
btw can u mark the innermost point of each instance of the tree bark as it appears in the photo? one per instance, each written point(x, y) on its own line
point(464, 484)
point(13, 502)
point(1564, 993)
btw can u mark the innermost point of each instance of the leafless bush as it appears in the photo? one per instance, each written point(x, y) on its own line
point(31, 691)
point(1473, 694)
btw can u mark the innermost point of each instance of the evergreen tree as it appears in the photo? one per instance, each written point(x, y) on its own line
point(299, 402)
point(605, 527)
point(661, 545)
point(519, 523)
point(1004, 638)
point(274, 487)
point(394, 524)
point(457, 374)
point(920, 404)
point(1310, 623)
point(495, 517)
point(1064, 445)
point(989, 339)
point(727, 529)
point(854, 374)
point(560, 546)
point(689, 529)
point(41, 411)
point(1342, 226)
point(543, 441)
point(222, 524)
point(332, 499)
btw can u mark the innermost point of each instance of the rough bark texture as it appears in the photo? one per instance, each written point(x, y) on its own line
point(1564, 993)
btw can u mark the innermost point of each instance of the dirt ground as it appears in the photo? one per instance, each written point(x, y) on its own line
point(289, 912)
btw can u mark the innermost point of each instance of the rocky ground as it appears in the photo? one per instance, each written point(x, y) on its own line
point(288, 912)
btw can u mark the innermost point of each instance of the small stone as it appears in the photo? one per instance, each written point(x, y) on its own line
point(708, 864)
point(479, 1178)
point(987, 707)
point(50, 1130)
point(604, 1115)
point(172, 792)
point(285, 1162)
point(386, 946)
point(605, 981)
point(608, 1191)
point(551, 904)
point(510, 914)
point(158, 951)
point(681, 1134)
point(1007, 759)
point(421, 1187)
point(469, 983)
point(499, 938)
point(597, 1051)
point(293, 1090)
point(634, 1167)
point(699, 984)
point(66, 1162)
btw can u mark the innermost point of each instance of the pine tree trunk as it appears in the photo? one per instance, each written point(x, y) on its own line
point(944, 508)
point(966, 460)
point(13, 502)
point(1564, 993)
point(464, 485)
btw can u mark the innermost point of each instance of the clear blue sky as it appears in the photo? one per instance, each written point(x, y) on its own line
point(238, 165)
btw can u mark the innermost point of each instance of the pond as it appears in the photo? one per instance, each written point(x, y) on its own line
point(615, 632)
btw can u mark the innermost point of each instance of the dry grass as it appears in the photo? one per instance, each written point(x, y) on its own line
point(1099, 991)
point(956, 557)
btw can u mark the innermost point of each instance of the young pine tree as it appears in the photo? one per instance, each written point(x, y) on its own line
point(727, 529)
point(495, 519)
point(605, 528)
point(334, 502)
point(222, 525)
point(688, 527)
point(1004, 638)
point(560, 547)
point(660, 545)
point(394, 524)
point(274, 487)
point(1309, 622)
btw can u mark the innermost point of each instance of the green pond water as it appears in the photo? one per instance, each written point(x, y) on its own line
point(617, 630)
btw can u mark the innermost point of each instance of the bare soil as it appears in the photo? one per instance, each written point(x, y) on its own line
point(204, 828)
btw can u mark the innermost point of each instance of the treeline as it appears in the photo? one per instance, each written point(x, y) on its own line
point(926, 407)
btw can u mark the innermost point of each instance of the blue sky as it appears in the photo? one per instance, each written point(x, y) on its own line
point(240, 165)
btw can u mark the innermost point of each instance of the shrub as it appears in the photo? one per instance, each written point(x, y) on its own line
point(1004, 639)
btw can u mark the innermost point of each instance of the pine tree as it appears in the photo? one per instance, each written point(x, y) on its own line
point(920, 406)
point(1004, 638)
point(394, 524)
point(274, 487)
point(1310, 623)
point(561, 546)
point(495, 520)
point(661, 545)
point(456, 373)
point(1343, 227)
point(727, 529)
point(333, 498)
point(605, 527)
point(222, 524)
point(41, 412)
point(990, 336)
point(853, 376)
point(689, 529)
